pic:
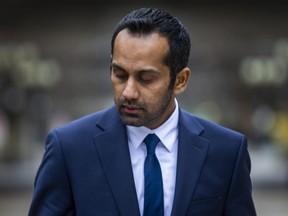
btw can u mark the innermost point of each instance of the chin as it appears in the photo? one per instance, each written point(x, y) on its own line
point(131, 121)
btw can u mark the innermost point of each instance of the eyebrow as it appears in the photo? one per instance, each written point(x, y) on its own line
point(114, 65)
point(144, 70)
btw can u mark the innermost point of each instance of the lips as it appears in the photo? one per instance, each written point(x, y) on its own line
point(131, 109)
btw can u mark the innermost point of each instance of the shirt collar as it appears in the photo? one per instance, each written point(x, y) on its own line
point(167, 132)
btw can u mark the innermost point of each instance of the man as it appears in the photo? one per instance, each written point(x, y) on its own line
point(99, 165)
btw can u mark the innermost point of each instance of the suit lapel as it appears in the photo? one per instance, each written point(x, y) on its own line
point(112, 147)
point(192, 150)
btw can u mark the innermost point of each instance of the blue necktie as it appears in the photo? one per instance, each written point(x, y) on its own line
point(153, 193)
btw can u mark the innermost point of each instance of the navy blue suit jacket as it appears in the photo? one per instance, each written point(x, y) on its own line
point(86, 170)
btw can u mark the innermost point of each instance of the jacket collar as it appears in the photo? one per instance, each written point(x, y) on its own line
point(112, 146)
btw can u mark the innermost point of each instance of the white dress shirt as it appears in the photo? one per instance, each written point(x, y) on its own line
point(166, 152)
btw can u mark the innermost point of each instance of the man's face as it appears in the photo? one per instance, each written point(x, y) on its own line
point(140, 79)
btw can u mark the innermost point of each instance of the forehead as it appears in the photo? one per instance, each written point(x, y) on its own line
point(140, 45)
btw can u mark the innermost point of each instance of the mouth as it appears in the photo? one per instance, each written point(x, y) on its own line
point(131, 109)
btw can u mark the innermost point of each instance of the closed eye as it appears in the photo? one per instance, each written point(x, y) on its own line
point(147, 77)
point(145, 80)
point(119, 73)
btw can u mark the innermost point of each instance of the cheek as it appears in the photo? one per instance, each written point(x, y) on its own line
point(154, 96)
point(116, 87)
point(117, 92)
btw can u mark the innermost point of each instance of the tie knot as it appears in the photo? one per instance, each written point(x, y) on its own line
point(151, 141)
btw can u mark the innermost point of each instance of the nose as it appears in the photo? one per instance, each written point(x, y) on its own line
point(130, 91)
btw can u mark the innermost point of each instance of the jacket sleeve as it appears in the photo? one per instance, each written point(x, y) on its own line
point(239, 201)
point(52, 191)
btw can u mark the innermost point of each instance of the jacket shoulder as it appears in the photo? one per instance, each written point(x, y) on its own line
point(86, 123)
point(209, 128)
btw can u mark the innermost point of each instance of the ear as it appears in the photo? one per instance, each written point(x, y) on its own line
point(181, 81)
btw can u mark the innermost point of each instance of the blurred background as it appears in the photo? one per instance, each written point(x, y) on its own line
point(54, 67)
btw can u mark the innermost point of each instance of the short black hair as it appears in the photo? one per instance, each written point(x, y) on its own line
point(150, 20)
